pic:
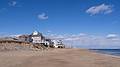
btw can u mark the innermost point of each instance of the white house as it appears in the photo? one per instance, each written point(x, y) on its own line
point(37, 37)
point(58, 44)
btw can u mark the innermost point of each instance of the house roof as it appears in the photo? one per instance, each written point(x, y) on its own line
point(23, 36)
point(36, 34)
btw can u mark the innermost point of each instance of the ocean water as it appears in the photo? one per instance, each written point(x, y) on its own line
point(115, 52)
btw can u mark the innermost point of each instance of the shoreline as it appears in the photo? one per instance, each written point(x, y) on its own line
point(105, 54)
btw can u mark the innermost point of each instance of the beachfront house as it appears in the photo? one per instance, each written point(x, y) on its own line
point(37, 37)
point(25, 38)
point(58, 44)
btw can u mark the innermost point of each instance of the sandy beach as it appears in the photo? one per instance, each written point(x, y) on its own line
point(57, 58)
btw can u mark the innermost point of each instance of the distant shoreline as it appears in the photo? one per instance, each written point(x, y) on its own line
point(108, 52)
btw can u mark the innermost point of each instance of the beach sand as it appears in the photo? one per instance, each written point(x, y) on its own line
point(57, 58)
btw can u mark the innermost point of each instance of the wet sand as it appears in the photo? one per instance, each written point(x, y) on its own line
point(57, 58)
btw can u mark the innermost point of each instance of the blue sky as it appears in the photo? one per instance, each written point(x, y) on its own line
point(94, 17)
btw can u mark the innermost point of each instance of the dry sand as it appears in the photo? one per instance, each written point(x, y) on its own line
point(57, 58)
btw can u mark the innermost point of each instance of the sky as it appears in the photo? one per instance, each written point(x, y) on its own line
point(75, 21)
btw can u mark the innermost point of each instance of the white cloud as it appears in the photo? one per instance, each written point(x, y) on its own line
point(112, 36)
point(42, 16)
point(103, 9)
point(12, 3)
